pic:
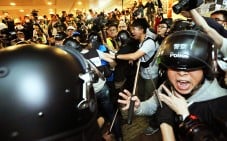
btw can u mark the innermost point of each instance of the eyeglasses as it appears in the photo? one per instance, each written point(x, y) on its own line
point(219, 20)
point(162, 26)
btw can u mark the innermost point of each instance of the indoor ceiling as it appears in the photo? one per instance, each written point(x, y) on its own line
point(45, 7)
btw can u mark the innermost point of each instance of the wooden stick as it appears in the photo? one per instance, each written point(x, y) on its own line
point(114, 119)
point(132, 103)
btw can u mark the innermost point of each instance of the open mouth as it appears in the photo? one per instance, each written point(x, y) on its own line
point(183, 84)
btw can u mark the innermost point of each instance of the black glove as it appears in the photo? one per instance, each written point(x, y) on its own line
point(165, 115)
point(195, 130)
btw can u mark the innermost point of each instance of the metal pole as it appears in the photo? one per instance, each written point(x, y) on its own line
point(122, 5)
point(132, 103)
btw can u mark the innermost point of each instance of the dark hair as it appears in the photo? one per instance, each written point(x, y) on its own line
point(111, 23)
point(222, 12)
point(167, 21)
point(180, 24)
point(141, 23)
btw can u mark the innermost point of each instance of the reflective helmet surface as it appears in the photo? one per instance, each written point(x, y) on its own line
point(40, 93)
point(179, 25)
point(60, 36)
point(186, 50)
point(123, 36)
point(95, 40)
point(94, 37)
point(72, 43)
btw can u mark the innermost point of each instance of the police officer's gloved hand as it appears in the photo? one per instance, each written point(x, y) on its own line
point(196, 130)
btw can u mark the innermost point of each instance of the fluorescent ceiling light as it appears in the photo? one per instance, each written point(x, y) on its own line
point(12, 3)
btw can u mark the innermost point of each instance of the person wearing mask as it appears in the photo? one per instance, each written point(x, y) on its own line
point(216, 32)
point(219, 41)
point(220, 16)
point(209, 21)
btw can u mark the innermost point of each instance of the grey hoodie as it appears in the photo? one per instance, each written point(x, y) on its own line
point(209, 90)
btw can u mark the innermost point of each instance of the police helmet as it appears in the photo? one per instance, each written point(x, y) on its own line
point(123, 36)
point(71, 42)
point(46, 93)
point(181, 24)
point(60, 36)
point(186, 50)
point(95, 39)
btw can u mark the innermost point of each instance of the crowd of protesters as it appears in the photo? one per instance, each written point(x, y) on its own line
point(120, 38)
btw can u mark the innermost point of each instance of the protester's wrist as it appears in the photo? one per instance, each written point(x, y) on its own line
point(116, 56)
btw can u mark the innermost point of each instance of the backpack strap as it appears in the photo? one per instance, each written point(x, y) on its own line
point(146, 64)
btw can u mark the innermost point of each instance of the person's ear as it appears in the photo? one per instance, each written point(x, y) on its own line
point(225, 24)
point(167, 31)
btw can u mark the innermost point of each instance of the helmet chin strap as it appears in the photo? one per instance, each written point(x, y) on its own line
point(86, 87)
point(91, 76)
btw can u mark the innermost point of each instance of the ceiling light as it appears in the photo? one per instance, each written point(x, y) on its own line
point(49, 3)
point(12, 3)
point(51, 12)
point(79, 3)
point(21, 10)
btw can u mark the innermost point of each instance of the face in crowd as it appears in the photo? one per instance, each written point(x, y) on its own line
point(162, 29)
point(185, 82)
point(137, 32)
point(112, 31)
point(186, 57)
point(220, 19)
point(122, 26)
